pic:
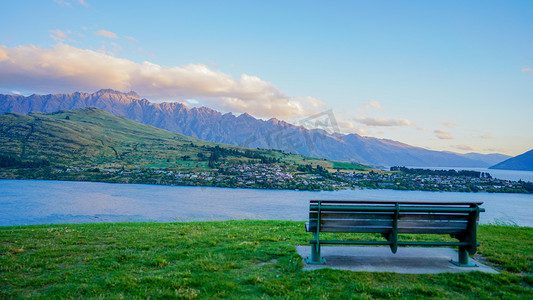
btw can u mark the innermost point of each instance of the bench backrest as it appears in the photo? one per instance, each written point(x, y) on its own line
point(382, 216)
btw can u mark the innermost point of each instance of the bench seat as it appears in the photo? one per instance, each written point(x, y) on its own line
point(390, 218)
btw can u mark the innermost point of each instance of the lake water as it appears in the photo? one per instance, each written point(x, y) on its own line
point(44, 202)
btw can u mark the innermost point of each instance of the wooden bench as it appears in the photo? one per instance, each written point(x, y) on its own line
point(390, 218)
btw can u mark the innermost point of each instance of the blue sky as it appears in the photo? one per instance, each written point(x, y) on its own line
point(443, 75)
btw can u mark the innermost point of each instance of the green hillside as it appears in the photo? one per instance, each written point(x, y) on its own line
point(90, 137)
point(39, 145)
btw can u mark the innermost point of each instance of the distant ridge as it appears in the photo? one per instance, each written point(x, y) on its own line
point(522, 162)
point(244, 130)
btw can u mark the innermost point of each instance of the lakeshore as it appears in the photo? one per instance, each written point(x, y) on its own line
point(288, 177)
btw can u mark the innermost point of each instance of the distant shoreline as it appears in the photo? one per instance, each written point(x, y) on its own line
point(372, 184)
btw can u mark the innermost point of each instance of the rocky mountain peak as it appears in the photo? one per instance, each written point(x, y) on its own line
point(107, 91)
point(133, 94)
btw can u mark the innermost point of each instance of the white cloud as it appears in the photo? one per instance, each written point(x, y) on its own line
point(372, 121)
point(66, 68)
point(443, 134)
point(105, 33)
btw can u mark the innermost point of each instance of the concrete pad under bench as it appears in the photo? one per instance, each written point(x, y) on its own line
point(413, 260)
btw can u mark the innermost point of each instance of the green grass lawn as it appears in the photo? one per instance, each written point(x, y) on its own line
point(234, 259)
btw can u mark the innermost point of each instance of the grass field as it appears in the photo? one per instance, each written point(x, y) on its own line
point(233, 259)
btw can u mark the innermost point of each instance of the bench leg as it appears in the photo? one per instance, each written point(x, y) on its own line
point(463, 258)
point(315, 256)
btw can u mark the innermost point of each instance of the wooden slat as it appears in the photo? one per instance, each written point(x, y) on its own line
point(387, 215)
point(401, 209)
point(357, 223)
point(433, 216)
point(349, 215)
point(445, 228)
point(431, 224)
point(370, 202)
point(353, 229)
point(430, 230)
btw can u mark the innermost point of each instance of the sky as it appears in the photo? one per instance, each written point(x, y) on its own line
point(442, 75)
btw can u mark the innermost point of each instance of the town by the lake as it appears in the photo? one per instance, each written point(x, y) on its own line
point(277, 176)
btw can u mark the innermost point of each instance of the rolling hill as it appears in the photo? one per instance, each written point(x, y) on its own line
point(90, 137)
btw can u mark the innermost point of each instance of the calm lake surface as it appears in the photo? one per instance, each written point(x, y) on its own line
point(45, 202)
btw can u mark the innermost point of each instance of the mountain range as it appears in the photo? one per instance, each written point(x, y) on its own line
point(245, 130)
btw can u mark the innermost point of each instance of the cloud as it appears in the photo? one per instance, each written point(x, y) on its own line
point(63, 2)
point(372, 121)
point(347, 125)
point(66, 68)
point(464, 147)
point(107, 34)
point(443, 134)
point(130, 38)
point(527, 70)
point(497, 150)
point(58, 35)
point(448, 124)
point(3, 53)
point(373, 104)
point(82, 2)
point(487, 136)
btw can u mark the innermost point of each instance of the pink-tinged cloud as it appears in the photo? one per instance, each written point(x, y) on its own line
point(82, 2)
point(371, 121)
point(497, 150)
point(66, 68)
point(63, 2)
point(58, 35)
point(487, 136)
point(527, 70)
point(105, 33)
point(443, 134)
point(448, 124)
point(373, 104)
point(464, 147)
point(130, 38)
